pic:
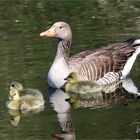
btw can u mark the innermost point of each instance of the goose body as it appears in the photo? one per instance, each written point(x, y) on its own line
point(20, 98)
point(84, 88)
point(116, 59)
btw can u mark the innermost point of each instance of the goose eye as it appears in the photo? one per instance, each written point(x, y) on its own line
point(60, 27)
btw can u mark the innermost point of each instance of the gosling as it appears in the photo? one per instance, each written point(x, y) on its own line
point(24, 99)
point(74, 85)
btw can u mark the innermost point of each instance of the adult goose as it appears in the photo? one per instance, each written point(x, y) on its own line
point(105, 64)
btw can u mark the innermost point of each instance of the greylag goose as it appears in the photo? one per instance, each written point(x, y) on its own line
point(24, 99)
point(105, 64)
point(82, 87)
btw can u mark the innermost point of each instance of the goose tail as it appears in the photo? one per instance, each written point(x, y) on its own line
point(112, 77)
point(133, 42)
point(137, 42)
point(129, 64)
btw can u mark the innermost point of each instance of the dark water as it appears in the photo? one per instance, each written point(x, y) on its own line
point(26, 57)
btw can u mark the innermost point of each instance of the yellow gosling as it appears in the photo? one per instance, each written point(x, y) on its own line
point(75, 85)
point(20, 98)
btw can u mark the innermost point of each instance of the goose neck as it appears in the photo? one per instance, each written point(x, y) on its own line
point(63, 48)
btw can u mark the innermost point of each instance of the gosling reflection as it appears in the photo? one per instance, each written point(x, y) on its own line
point(58, 99)
point(15, 115)
point(76, 101)
point(24, 99)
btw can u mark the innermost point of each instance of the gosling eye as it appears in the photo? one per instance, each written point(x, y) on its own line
point(69, 77)
point(12, 85)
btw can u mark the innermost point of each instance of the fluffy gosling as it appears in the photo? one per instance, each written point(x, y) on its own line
point(85, 88)
point(24, 99)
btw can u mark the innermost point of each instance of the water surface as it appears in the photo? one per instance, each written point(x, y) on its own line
point(25, 57)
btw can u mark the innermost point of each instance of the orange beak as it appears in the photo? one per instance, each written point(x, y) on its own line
point(48, 33)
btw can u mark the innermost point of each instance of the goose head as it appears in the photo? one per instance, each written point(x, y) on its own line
point(72, 78)
point(59, 30)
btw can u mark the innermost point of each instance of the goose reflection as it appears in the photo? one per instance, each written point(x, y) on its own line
point(16, 115)
point(58, 99)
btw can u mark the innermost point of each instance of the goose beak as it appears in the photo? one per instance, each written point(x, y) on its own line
point(48, 33)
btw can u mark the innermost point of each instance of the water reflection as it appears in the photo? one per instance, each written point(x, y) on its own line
point(15, 115)
point(58, 99)
point(121, 93)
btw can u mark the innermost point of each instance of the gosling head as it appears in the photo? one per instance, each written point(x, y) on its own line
point(15, 87)
point(60, 30)
point(73, 77)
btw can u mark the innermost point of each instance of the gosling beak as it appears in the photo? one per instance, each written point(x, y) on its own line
point(10, 97)
point(48, 33)
point(66, 78)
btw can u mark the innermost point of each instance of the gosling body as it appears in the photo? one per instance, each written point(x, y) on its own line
point(21, 98)
point(85, 87)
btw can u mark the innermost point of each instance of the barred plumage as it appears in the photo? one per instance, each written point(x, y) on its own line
point(90, 65)
point(110, 77)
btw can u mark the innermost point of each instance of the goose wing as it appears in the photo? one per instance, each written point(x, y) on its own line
point(95, 64)
point(30, 94)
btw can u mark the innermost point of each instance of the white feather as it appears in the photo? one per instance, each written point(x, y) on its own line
point(58, 72)
point(129, 86)
point(128, 66)
point(137, 41)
